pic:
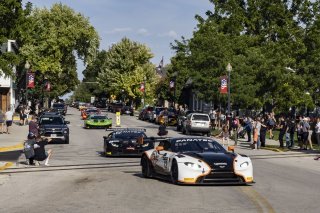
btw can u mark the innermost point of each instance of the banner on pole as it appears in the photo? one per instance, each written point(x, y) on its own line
point(171, 84)
point(30, 77)
point(223, 85)
point(142, 87)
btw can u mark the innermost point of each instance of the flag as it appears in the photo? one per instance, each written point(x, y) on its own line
point(224, 85)
point(142, 87)
point(47, 86)
point(171, 84)
point(30, 79)
point(161, 64)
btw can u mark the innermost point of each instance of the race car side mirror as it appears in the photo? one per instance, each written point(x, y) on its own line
point(159, 148)
point(231, 148)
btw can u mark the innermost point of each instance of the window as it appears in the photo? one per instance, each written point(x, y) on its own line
point(200, 117)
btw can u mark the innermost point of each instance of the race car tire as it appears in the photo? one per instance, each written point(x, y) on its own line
point(146, 167)
point(174, 172)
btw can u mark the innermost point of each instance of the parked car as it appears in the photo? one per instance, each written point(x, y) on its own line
point(146, 113)
point(60, 108)
point(156, 114)
point(197, 123)
point(127, 110)
point(115, 107)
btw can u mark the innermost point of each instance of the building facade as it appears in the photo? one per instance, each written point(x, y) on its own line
point(7, 84)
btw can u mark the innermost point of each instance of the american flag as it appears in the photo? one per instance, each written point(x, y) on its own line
point(30, 83)
point(171, 84)
point(224, 85)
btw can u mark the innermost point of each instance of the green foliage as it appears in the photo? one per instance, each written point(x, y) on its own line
point(126, 64)
point(12, 23)
point(262, 40)
point(53, 38)
point(82, 93)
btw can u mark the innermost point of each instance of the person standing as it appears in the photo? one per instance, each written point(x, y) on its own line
point(8, 118)
point(283, 129)
point(26, 115)
point(33, 126)
point(291, 130)
point(309, 134)
point(305, 133)
point(263, 132)
point(21, 114)
point(2, 118)
point(299, 132)
point(317, 131)
point(271, 124)
point(248, 128)
point(257, 128)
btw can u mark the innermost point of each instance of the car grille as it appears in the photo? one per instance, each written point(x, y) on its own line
point(222, 177)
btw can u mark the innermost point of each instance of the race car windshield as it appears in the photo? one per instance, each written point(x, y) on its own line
point(51, 120)
point(99, 117)
point(197, 145)
point(128, 135)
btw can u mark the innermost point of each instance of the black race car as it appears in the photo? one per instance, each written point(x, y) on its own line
point(127, 141)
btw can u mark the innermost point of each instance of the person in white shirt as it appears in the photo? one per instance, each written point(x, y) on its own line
point(9, 118)
point(317, 130)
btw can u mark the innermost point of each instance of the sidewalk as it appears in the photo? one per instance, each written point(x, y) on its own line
point(14, 140)
point(244, 147)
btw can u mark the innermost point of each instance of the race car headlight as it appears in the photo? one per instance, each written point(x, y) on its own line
point(244, 164)
point(192, 165)
point(114, 143)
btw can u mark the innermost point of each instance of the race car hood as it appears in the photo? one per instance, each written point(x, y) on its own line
point(217, 161)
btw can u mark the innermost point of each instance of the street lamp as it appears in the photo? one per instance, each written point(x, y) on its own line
point(144, 91)
point(229, 68)
point(27, 67)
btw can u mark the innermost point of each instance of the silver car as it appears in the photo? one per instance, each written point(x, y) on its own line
point(196, 123)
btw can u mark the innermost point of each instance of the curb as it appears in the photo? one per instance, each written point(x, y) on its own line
point(7, 165)
point(11, 148)
point(272, 149)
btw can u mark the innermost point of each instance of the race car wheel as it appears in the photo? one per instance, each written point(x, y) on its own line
point(146, 167)
point(174, 172)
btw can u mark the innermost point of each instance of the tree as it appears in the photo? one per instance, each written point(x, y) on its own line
point(12, 23)
point(127, 64)
point(263, 40)
point(54, 38)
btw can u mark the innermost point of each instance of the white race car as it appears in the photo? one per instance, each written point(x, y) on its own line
point(198, 160)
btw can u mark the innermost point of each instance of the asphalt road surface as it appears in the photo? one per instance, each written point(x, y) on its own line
point(80, 180)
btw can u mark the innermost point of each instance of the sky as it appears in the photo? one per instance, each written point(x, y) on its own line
point(155, 23)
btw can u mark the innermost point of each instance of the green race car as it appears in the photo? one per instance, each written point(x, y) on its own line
point(97, 121)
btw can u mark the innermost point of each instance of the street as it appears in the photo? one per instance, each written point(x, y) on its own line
point(80, 179)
